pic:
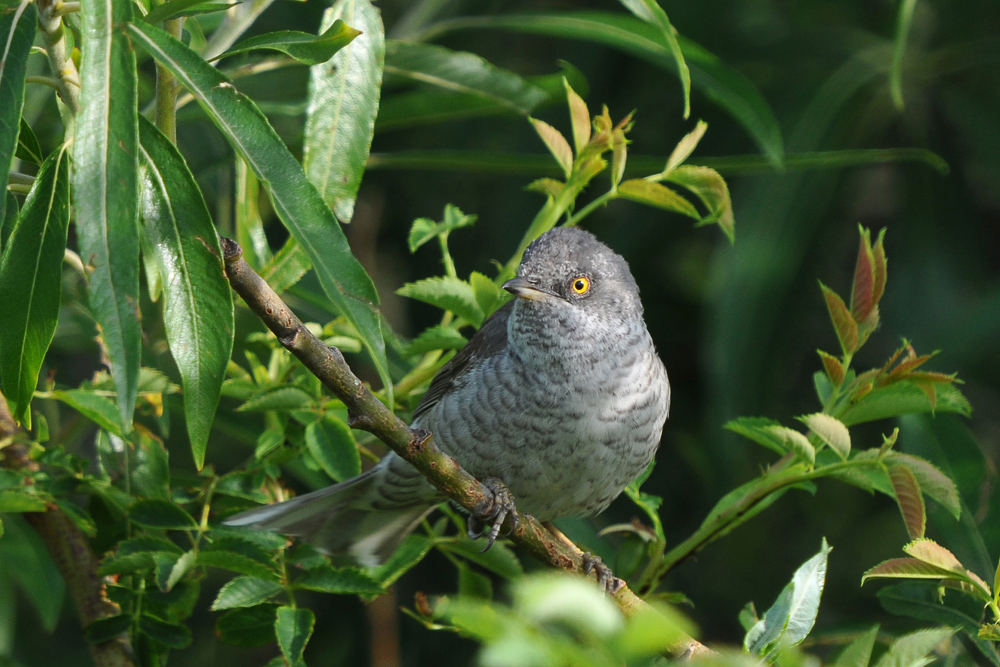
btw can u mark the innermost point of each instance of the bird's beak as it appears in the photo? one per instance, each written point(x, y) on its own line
point(521, 287)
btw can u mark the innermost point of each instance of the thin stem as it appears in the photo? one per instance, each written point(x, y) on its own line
point(45, 81)
point(56, 48)
point(590, 208)
point(64, 8)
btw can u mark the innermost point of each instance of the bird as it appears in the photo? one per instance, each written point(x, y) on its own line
point(557, 402)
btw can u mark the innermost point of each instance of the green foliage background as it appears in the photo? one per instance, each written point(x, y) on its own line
point(737, 325)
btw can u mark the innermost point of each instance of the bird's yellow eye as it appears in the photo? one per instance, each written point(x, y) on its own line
point(580, 285)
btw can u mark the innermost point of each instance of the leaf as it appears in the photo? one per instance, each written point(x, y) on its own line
point(834, 369)
point(245, 592)
point(796, 443)
point(759, 429)
point(438, 337)
point(156, 513)
point(905, 568)
point(579, 117)
point(31, 283)
point(169, 634)
point(862, 289)
point(424, 229)
point(556, 143)
point(931, 552)
point(343, 102)
point(28, 148)
point(858, 652)
point(830, 430)
point(713, 192)
point(932, 481)
point(908, 496)
point(239, 555)
point(502, 561)
point(649, 10)
point(843, 323)
point(293, 628)
point(106, 629)
point(878, 281)
point(170, 9)
point(446, 293)
point(197, 299)
point(682, 151)
point(461, 72)
point(902, 398)
point(654, 194)
point(106, 189)
point(722, 84)
point(489, 296)
point(808, 583)
point(295, 200)
point(282, 398)
point(19, 501)
point(341, 581)
point(912, 650)
point(249, 627)
point(903, 22)
point(764, 635)
point(17, 32)
point(94, 407)
point(303, 47)
point(331, 443)
point(410, 552)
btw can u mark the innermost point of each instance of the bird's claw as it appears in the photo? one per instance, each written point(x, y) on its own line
point(493, 513)
point(606, 579)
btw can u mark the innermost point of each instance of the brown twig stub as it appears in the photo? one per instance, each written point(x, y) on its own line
point(415, 445)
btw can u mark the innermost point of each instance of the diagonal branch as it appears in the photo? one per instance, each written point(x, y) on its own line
point(415, 445)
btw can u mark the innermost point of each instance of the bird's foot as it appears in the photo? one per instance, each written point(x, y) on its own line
point(606, 579)
point(493, 511)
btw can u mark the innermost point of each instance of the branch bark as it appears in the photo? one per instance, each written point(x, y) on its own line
point(415, 445)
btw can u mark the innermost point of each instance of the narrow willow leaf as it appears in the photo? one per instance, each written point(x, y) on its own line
point(903, 22)
point(831, 431)
point(197, 300)
point(282, 397)
point(343, 103)
point(245, 591)
point(720, 83)
point(446, 293)
point(859, 652)
point(913, 650)
point(910, 500)
point(682, 151)
point(932, 481)
point(170, 9)
point(307, 49)
point(556, 143)
point(579, 116)
point(287, 266)
point(295, 199)
point(31, 284)
point(462, 72)
point(249, 225)
point(331, 443)
point(650, 10)
point(94, 407)
point(713, 192)
point(17, 32)
point(293, 628)
point(106, 191)
point(843, 323)
point(654, 194)
point(28, 148)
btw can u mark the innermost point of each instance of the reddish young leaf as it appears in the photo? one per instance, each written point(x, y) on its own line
point(878, 283)
point(905, 568)
point(862, 291)
point(929, 551)
point(834, 369)
point(843, 323)
point(909, 498)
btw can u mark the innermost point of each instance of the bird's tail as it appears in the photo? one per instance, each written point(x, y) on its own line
point(340, 519)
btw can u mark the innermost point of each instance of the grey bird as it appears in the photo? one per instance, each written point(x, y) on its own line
point(560, 396)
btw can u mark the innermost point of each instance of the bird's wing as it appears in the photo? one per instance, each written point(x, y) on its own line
point(491, 339)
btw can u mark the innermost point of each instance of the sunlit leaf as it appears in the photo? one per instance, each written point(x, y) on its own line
point(685, 147)
point(556, 143)
point(306, 48)
point(579, 117)
point(796, 443)
point(830, 430)
point(448, 294)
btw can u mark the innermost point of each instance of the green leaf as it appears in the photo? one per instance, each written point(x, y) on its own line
point(913, 650)
point(760, 430)
point(831, 431)
point(295, 200)
point(903, 22)
point(20, 501)
point(173, 9)
point(343, 103)
point(282, 398)
point(156, 513)
point(843, 323)
point(293, 628)
point(106, 629)
point(106, 189)
point(911, 502)
point(287, 266)
point(438, 337)
point(249, 627)
point(461, 72)
point(245, 592)
point(239, 555)
point(31, 283)
point(796, 443)
point(658, 195)
point(93, 406)
point(169, 634)
point(682, 151)
point(446, 293)
point(424, 229)
point(410, 552)
point(906, 568)
point(859, 651)
point(341, 581)
point(502, 561)
point(197, 299)
point(903, 398)
point(556, 143)
point(722, 84)
point(28, 148)
point(27, 562)
point(651, 12)
point(306, 48)
point(579, 117)
point(17, 32)
point(489, 295)
point(932, 481)
point(713, 192)
point(331, 443)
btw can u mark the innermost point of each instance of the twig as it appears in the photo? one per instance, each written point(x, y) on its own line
point(55, 46)
point(415, 445)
